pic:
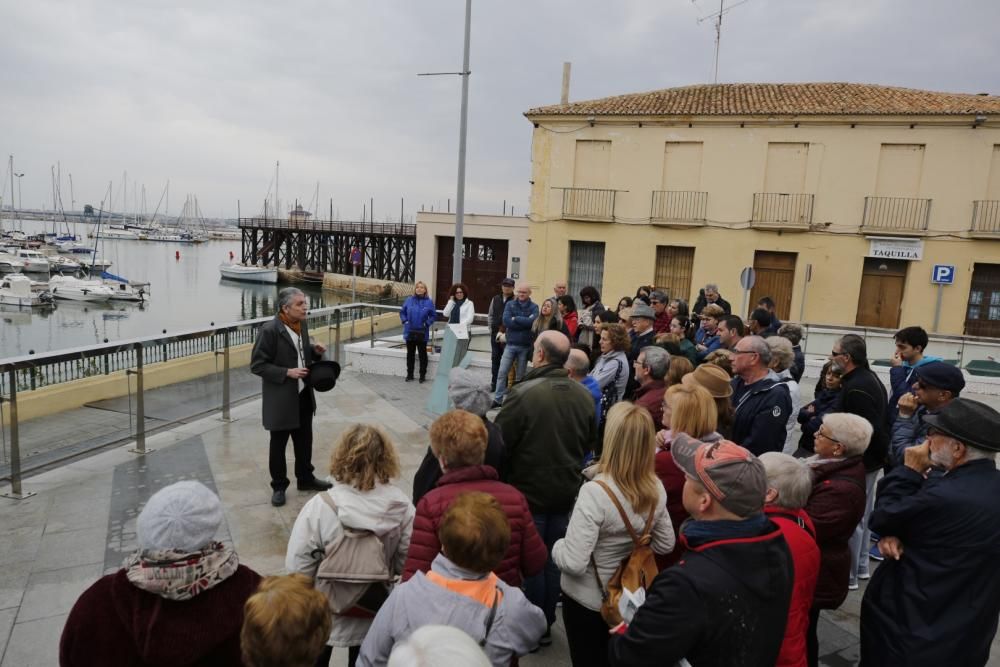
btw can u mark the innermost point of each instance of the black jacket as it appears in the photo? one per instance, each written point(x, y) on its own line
point(762, 411)
point(702, 302)
point(825, 402)
point(274, 352)
point(726, 603)
point(495, 313)
point(863, 394)
point(800, 364)
point(938, 604)
point(429, 472)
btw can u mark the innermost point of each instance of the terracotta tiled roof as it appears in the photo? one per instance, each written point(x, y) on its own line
point(766, 99)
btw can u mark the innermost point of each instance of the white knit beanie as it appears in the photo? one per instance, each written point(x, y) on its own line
point(183, 516)
point(468, 392)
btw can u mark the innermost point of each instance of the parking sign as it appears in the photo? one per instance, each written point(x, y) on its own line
point(943, 274)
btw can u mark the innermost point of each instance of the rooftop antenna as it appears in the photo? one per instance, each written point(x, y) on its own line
point(718, 27)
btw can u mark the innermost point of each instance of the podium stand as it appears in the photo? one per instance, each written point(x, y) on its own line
point(454, 351)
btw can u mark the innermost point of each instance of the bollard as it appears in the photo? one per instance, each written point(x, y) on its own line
point(16, 492)
point(140, 407)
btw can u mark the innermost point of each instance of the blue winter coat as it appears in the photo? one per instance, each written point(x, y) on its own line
point(417, 315)
point(518, 318)
point(901, 379)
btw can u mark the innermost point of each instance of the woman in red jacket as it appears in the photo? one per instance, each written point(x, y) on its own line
point(458, 440)
point(835, 507)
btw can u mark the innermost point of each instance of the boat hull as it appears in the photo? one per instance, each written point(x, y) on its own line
point(249, 274)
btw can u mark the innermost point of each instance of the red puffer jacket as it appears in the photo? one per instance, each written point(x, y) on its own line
point(836, 506)
point(800, 535)
point(526, 554)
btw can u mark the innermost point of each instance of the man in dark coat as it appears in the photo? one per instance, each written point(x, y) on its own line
point(281, 357)
point(936, 598)
point(762, 405)
point(710, 295)
point(495, 319)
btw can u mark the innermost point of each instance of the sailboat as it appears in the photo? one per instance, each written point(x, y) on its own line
point(122, 289)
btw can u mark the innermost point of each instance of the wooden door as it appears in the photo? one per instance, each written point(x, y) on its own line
point(484, 265)
point(982, 315)
point(881, 297)
point(674, 265)
point(775, 278)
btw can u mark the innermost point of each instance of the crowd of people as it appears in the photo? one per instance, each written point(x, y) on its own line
point(653, 469)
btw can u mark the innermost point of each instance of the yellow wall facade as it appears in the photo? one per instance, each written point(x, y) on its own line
point(840, 169)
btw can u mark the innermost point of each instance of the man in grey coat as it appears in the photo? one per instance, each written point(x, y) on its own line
point(281, 357)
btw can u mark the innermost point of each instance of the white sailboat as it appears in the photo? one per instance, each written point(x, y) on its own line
point(249, 274)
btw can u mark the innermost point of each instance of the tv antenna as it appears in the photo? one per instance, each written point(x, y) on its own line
point(723, 10)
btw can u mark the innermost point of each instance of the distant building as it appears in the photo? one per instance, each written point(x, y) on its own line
point(299, 217)
point(843, 197)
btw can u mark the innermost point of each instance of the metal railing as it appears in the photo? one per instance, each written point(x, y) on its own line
point(387, 228)
point(780, 207)
point(901, 214)
point(986, 216)
point(679, 206)
point(588, 204)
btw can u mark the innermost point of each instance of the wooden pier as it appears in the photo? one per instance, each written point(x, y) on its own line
point(388, 251)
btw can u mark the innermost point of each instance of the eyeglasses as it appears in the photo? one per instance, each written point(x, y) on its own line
point(834, 353)
point(745, 352)
point(821, 433)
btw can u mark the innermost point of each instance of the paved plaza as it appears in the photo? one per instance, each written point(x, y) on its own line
point(81, 522)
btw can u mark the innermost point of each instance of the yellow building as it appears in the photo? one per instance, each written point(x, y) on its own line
point(842, 197)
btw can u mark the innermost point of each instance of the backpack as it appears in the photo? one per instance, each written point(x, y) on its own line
point(637, 570)
point(356, 571)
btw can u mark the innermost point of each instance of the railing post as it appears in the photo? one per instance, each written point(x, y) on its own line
point(16, 492)
point(225, 376)
point(371, 329)
point(140, 406)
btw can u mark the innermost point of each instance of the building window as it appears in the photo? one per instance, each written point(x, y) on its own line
point(674, 265)
point(586, 267)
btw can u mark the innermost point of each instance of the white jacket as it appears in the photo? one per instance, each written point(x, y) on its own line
point(596, 527)
point(795, 393)
point(380, 510)
point(465, 315)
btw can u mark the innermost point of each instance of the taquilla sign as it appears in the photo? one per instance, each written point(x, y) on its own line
point(894, 248)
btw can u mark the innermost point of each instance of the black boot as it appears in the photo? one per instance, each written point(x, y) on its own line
point(423, 378)
point(409, 377)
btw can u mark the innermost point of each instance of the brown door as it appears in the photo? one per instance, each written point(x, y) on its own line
point(775, 278)
point(484, 265)
point(982, 316)
point(881, 297)
point(673, 270)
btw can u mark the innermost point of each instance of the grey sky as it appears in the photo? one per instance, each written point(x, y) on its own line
point(211, 94)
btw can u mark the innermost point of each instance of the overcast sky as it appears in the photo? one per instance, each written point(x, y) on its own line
point(210, 94)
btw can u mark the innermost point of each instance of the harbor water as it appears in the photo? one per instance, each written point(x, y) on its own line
point(185, 292)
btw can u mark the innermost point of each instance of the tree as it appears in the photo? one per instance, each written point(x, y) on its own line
point(88, 210)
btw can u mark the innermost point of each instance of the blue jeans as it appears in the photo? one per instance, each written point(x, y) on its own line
point(859, 542)
point(510, 354)
point(542, 590)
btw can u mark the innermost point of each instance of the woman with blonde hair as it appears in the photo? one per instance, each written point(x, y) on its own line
point(362, 465)
point(548, 318)
point(597, 538)
point(687, 408)
point(417, 315)
point(612, 367)
point(679, 367)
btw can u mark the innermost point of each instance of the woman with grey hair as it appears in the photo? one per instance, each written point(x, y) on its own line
point(469, 393)
point(782, 361)
point(836, 505)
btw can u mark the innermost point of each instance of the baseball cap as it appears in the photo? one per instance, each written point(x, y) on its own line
point(941, 375)
point(730, 473)
point(507, 282)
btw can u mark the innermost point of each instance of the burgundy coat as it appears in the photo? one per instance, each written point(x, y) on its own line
point(672, 479)
point(526, 554)
point(115, 623)
point(650, 396)
point(836, 506)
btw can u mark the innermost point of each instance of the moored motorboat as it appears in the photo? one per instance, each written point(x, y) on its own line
point(123, 289)
point(74, 289)
point(10, 263)
point(16, 290)
point(249, 274)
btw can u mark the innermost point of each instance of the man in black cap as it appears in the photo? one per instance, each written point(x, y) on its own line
point(495, 319)
point(937, 384)
point(936, 598)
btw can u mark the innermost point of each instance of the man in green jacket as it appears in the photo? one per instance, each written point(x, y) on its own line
point(548, 426)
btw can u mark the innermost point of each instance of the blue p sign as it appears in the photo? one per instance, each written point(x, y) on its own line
point(943, 274)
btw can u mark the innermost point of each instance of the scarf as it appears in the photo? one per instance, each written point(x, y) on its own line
point(456, 311)
point(287, 321)
point(697, 533)
point(180, 575)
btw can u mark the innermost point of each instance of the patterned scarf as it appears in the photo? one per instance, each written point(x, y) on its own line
point(288, 322)
point(181, 575)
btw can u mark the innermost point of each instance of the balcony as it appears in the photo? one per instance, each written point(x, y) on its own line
point(679, 208)
point(985, 219)
point(896, 216)
point(588, 204)
point(782, 212)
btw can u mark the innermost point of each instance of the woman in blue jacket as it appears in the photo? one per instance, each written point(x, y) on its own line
point(417, 314)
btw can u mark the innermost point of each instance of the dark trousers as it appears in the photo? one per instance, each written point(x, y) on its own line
point(496, 353)
point(302, 442)
point(352, 656)
point(586, 634)
point(416, 343)
point(542, 590)
point(812, 638)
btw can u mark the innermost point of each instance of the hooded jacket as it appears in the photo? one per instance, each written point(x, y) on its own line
point(381, 510)
point(116, 623)
point(517, 625)
point(762, 410)
point(725, 603)
point(526, 554)
point(800, 536)
point(835, 506)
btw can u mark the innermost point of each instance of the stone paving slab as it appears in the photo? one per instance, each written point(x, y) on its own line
point(82, 520)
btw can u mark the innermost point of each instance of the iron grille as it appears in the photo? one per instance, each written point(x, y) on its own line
point(986, 216)
point(679, 206)
point(588, 204)
point(792, 209)
point(896, 214)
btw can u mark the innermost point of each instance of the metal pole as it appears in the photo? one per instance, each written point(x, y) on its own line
point(456, 268)
point(336, 348)
point(937, 307)
point(225, 376)
point(16, 492)
point(371, 329)
point(140, 407)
